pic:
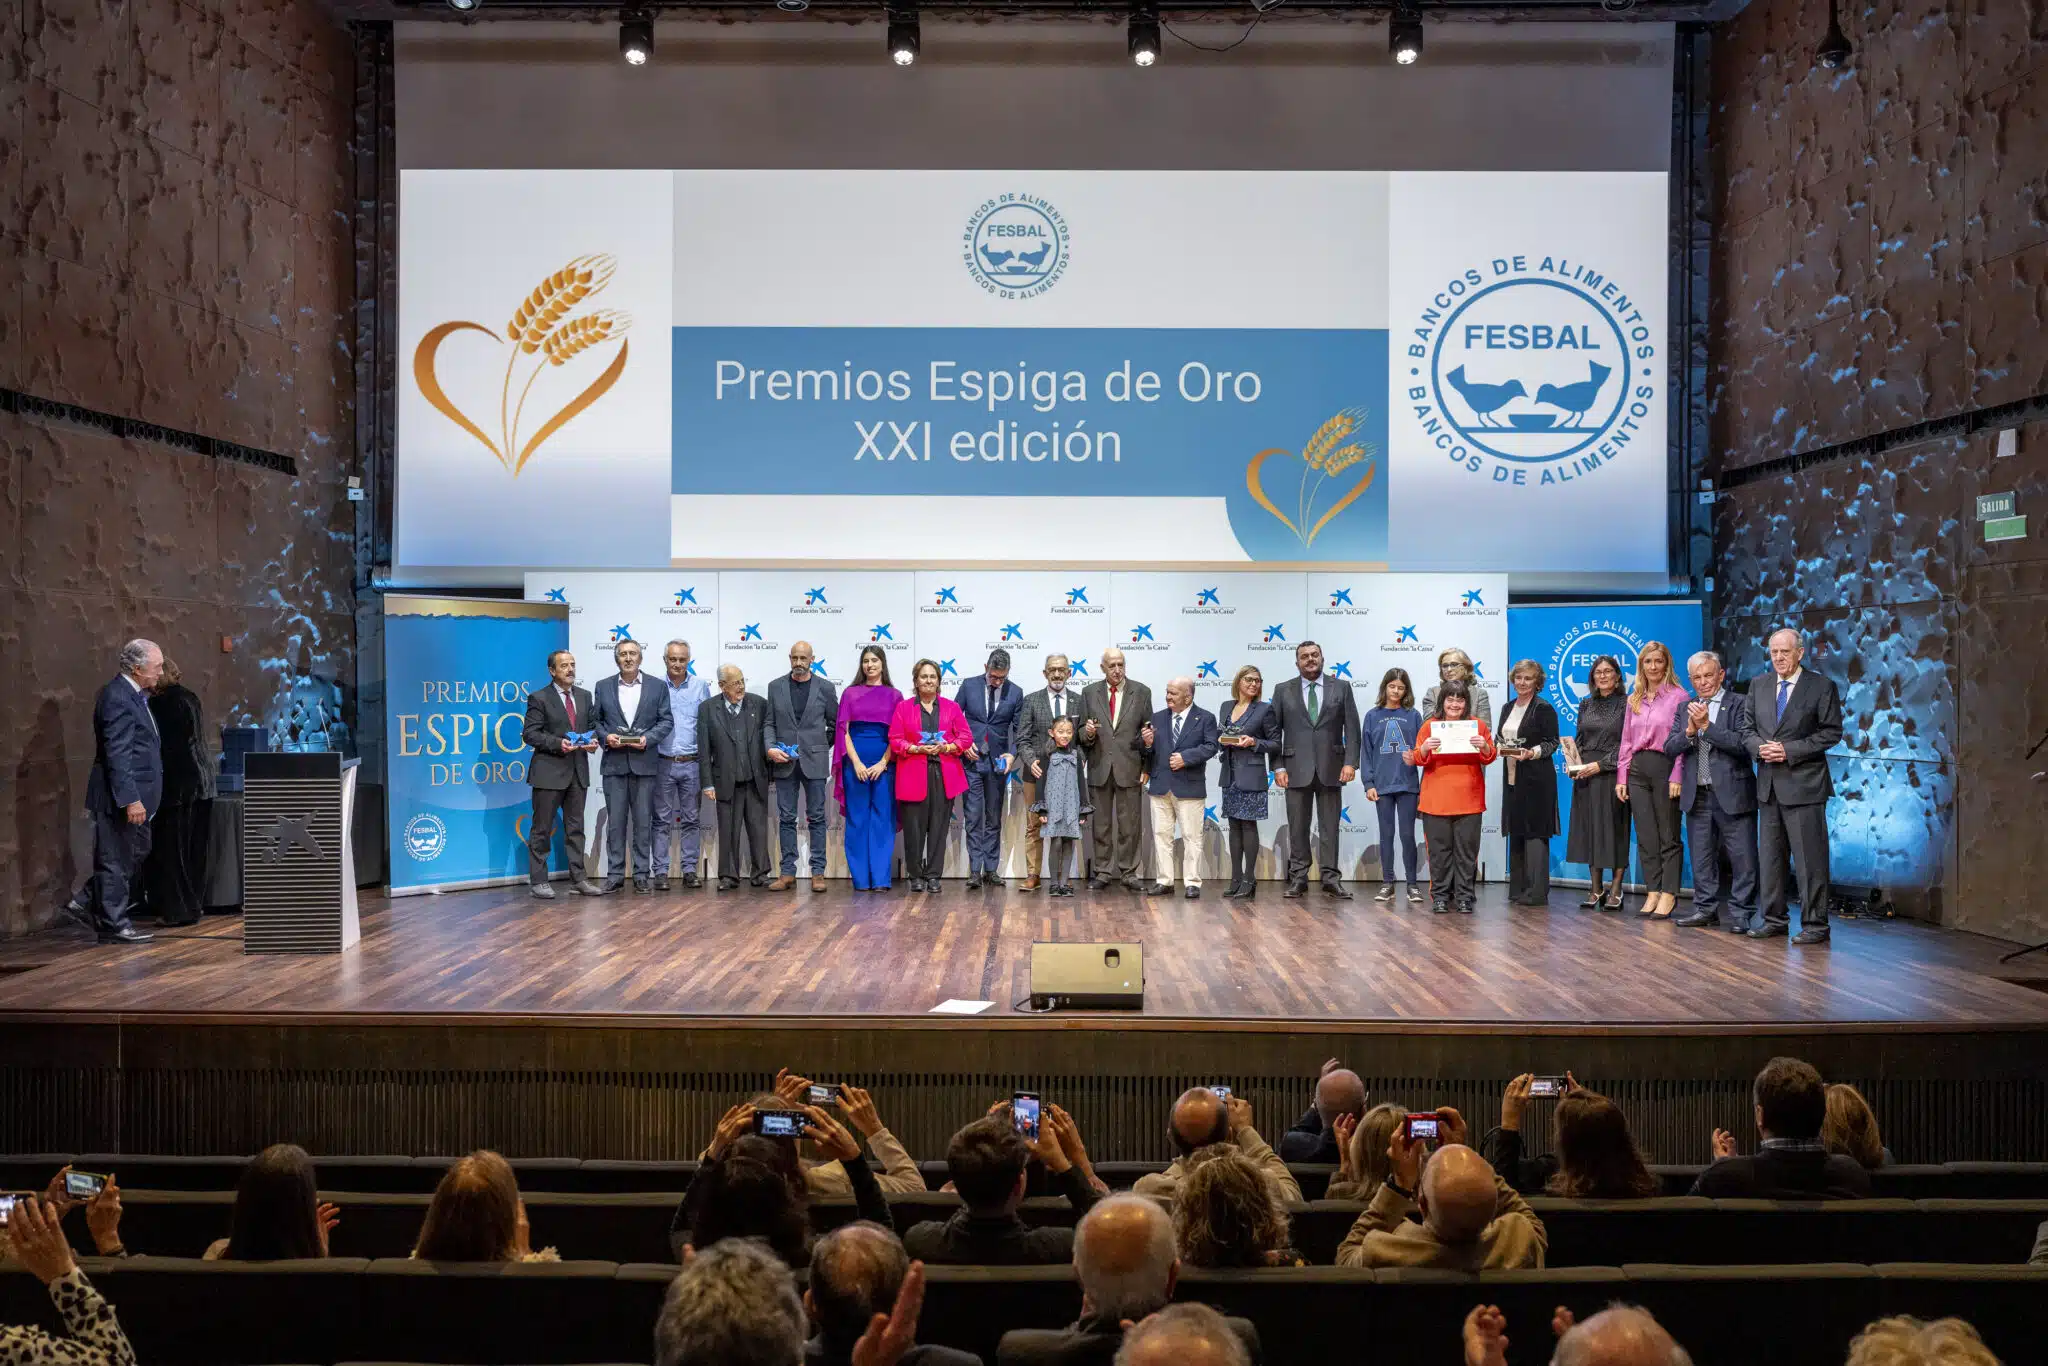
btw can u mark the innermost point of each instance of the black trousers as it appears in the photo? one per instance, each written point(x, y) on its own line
point(1453, 857)
point(1244, 850)
point(1123, 807)
point(1528, 870)
point(924, 830)
point(1324, 802)
point(1718, 835)
point(175, 875)
point(743, 805)
point(118, 852)
point(1802, 833)
point(1655, 812)
point(546, 802)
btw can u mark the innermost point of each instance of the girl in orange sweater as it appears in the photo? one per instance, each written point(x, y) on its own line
point(1453, 802)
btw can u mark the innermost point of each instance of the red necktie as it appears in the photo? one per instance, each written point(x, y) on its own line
point(1112, 704)
point(569, 701)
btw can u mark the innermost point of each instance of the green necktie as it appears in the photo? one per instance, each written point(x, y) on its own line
point(1314, 712)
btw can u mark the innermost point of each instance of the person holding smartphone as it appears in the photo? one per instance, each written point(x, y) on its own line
point(94, 1337)
point(1453, 800)
point(1470, 1219)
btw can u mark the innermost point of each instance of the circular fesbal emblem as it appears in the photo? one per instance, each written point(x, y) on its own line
point(1015, 246)
point(1571, 663)
point(425, 837)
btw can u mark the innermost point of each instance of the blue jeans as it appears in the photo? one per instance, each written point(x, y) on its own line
point(678, 798)
point(814, 811)
point(1397, 817)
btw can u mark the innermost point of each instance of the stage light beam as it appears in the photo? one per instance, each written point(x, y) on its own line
point(1143, 39)
point(636, 37)
point(904, 38)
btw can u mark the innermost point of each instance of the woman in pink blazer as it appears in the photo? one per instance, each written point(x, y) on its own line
point(927, 735)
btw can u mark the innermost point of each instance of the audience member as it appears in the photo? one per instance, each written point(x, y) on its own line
point(1850, 1128)
point(1225, 1214)
point(1791, 1163)
point(1596, 1158)
point(2040, 1253)
point(1471, 1219)
point(278, 1214)
point(1619, 1335)
point(102, 1212)
point(753, 1186)
point(1314, 1136)
point(733, 1305)
point(1200, 1118)
point(476, 1215)
point(987, 1162)
point(94, 1337)
point(1916, 1342)
point(857, 1273)
point(1124, 1259)
point(1362, 1150)
point(826, 1179)
point(1183, 1335)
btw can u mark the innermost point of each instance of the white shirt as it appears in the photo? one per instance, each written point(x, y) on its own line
point(629, 698)
point(1059, 703)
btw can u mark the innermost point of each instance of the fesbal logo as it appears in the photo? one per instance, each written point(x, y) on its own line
point(1533, 370)
point(1015, 246)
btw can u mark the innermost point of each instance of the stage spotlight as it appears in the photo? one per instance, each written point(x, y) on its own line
point(793, 6)
point(463, 6)
point(636, 37)
point(1144, 32)
point(903, 36)
point(1834, 50)
point(1404, 35)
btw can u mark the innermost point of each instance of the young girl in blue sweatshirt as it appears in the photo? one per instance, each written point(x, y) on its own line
point(1392, 784)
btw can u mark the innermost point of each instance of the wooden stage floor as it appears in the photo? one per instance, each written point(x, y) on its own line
point(498, 955)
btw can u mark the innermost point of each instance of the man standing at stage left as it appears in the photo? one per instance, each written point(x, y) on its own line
point(559, 772)
point(633, 719)
point(675, 787)
point(1793, 719)
point(122, 792)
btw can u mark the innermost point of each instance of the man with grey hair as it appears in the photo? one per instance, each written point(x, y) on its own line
point(1718, 797)
point(1202, 1117)
point(1030, 740)
point(1113, 713)
point(1125, 1260)
point(991, 703)
point(1794, 718)
point(734, 1304)
point(1179, 741)
point(1619, 1335)
point(1471, 1219)
point(732, 749)
point(121, 794)
point(678, 786)
point(857, 1272)
point(1183, 1335)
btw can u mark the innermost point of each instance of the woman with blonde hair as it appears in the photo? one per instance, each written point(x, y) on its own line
point(1851, 1129)
point(1648, 779)
point(1906, 1341)
point(1362, 1145)
point(1455, 666)
point(1225, 1215)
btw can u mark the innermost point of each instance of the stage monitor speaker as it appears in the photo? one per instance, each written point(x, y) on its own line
point(1088, 976)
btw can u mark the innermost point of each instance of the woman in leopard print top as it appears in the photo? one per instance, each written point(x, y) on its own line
point(95, 1336)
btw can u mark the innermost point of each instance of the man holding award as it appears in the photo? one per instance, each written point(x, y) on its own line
point(632, 720)
point(803, 716)
point(561, 725)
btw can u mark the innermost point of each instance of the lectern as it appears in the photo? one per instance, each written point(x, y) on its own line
point(298, 864)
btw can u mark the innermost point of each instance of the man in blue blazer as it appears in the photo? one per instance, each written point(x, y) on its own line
point(1718, 797)
point(1793, 719)
point(1179, 741)
point(991, 703)
point(122, 792)
point(632, 720)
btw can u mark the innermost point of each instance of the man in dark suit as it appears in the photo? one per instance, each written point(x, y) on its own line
point(1319, 732)
point(1794, 717)
point(1113, 716)
point(732, 746)
point(803, 716)
point(990, 703)
point(122, 792)
point(1718, 798)
point(1791, 1164)
point(1030, 739)
point(632, 719)
point(558, 772)
point(1179, 741)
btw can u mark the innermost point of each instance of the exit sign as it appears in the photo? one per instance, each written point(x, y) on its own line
point(1991, 505)
point(2005, 529)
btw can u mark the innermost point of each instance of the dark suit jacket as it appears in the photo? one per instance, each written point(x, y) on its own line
point(818, 1353)
point(1091, 1342)
point(727, 754)
point(1320, 752)
point(1030, 732)
point(547, 725)
point(811, 733)
point(1309, 1141)
point(188, 772)
point(991, 730)
point(1810, 727)
point(1529, 804)
point(1734, 779)
point(1777, 1174)
point(968, 1239)
point(653, 718)
point(1245, 770)
point(1197, 747)
point(127, 760)
point(1115, 757)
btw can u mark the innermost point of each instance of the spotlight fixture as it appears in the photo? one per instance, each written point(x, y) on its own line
point(1404, 34)
point(463, 6)
point(636, 36)
point(1144, 32)
point(793, 6)
point(903, 35)
point(1834, 50)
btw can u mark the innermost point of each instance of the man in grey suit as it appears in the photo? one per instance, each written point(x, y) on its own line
point(1030, 738)
point(632, 720)
point(1113, 716)
point(1794, 717)
point(1319, 733)
point(1718, 798)
point(732, 747)
point(559, 772)
point(803, 716)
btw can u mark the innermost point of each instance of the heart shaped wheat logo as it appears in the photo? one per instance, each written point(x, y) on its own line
point(1329, 452)
point(540, 331)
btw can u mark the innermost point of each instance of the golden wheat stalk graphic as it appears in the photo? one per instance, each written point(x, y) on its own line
point(1329, 452)
point(535, 323)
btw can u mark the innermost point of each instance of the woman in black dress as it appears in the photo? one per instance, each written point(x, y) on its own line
point(1527, 734)
point(1599, 829)
point(175, 872)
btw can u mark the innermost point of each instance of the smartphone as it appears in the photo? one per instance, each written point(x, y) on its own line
point(781, 1123)
point(1222, 1091)
point(1547, 1086)
point(1421, 1126)
point(7, 1207)
point(83, 1185)
point(1024, 1114)
point(821, 1094)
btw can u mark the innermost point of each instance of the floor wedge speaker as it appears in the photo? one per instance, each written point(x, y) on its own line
point(1104, 976)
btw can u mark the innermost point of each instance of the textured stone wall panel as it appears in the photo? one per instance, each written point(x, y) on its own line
point(2008, 325)
point(2002, 838)
point(2006, 181)
point(1892, 824)
point(2001, 39)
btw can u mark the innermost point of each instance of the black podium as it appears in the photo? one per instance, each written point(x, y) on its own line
point(298, 862)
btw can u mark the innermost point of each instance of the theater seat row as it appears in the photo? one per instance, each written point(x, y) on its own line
point(635, 1228)
point(186, 1313)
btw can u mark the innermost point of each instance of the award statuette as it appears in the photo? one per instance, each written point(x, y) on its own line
point(787, 750)
point(628, 735)
point(933, 737)
point(1231, 733)
point(580, 738)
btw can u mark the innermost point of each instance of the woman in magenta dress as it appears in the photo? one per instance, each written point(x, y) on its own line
point(861, 776)
point(1648, 779)
point(927, 736)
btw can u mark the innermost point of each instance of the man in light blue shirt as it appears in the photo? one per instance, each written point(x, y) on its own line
point(676, 789)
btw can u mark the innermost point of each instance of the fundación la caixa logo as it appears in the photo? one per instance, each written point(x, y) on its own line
point(1015, 246)
point(1532, 370)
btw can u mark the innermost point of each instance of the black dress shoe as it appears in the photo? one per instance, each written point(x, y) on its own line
point(127, 934)
point(1160, 889)
point(728, 884)
point(1686, 922)
point(1236, 890)
point(1769, 931)
point(1096, 884)
point(1812, 936)
point(1193, 894)
point(760, 880)
point(1296, 889)
point(79, 914)
point(1738, 928)
point(1131, 884)
point(974, 882)
point(1338, 890)
point(661, 884)
point(642, 886)
point(693, 880)
point(609, 886)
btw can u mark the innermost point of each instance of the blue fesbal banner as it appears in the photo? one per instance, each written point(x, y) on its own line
point(456, 674)
point(1566, 640)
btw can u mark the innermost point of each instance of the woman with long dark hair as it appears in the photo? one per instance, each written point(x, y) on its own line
point(1596, 1157)
point(753, 1186)
point(1599, 829)
point(1392, 784)
point(278, 1214)
point(861, 777)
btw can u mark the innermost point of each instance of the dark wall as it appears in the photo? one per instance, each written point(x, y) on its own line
point(1882, 262)
point(174, 248)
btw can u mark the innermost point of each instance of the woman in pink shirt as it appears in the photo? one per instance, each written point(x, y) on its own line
point(927, 735)
point(1648, 779)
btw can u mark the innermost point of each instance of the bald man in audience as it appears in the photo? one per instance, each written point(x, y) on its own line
point(1471, 1219)
point(856, 1273)
point(1200, 1118)
point(1339, 1092)
point(1183, 1335)
point(1619, 1335)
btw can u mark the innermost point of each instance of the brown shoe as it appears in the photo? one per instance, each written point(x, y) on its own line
point(817, 884)
point(782, 884)
point(1029, 884)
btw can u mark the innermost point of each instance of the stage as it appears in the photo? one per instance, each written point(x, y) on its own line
point(616, 1026)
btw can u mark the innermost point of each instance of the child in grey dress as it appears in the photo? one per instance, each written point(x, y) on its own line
point(1063, 798)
